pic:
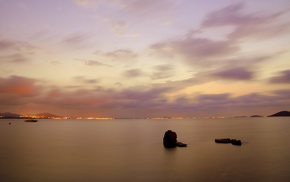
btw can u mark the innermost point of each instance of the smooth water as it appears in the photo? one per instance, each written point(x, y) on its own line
point(132, 150)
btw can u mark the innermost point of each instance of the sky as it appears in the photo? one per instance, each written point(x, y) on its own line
point(145, 58)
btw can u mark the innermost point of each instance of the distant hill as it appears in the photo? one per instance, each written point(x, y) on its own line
point(9, 115)
point(281, 114)
point(254, 116)
point(46, 115)
point(39, 115)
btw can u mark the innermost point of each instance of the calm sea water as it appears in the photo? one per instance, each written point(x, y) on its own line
point(132, 150)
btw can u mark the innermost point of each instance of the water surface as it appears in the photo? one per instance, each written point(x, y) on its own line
point(132, 150)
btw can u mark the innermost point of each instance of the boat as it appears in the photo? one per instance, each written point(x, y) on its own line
point(31, 120)
point(228, 140)
point(223, 140)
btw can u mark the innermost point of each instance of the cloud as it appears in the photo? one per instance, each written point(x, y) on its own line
point(18, 91)
point(17, 85)
point(162, 71)
point(122, 16)
point(5, 45)
point(121, 53)
point(211, 98)
point(164, 67)
point(199, 51)
point(16, 46)
point(133, 73)
point(15, 58)
point(92, 62)
point(133, 102)
point(150, 102)
point(82, 79)
point(234, 74)
point(117, 55)
point(227, 105)
point(119, 27)
point(76, 40)
point(16, 51)
point(230, 15)
point(283, 77)
point(145, 100)
point(196, 50)
point(247, 25)
point(77, 99)
point(154, 11)
point(101, 100)
point(177, 85)
point(282, 96)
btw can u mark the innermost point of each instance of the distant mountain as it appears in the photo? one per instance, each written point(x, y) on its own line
point(46, 115)
point(9, 115)
point(39, 115)
point(281, 113)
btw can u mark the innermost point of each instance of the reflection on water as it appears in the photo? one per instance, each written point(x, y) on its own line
point(132, 150)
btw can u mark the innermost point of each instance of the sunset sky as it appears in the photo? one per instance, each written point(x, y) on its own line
point(145, 58)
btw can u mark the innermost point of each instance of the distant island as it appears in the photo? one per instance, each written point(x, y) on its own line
point(281, 114)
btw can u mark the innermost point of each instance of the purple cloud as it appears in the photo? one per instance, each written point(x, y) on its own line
point(16, 51)
point(234, 74)
point(197, 50)
point(134, 102)
point(247, 25)
point(225, 104)
point(230, 15)
point(283, 77)
point(212, 97)
point(205, 52)
point(5, 44)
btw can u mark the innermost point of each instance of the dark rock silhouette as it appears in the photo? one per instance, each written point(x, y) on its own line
point(228, 140)
point(281, 113)
point(170, 140)
point(236, 142)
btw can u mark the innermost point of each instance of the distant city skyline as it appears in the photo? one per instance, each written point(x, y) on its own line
point(145, 58)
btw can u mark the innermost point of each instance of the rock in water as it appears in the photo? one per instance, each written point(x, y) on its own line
point(170, 140)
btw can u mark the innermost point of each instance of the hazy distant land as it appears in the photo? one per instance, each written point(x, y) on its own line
point(9, 115)
point(281, 113)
